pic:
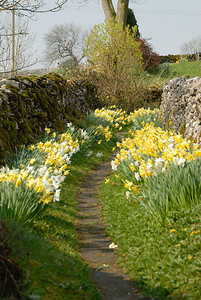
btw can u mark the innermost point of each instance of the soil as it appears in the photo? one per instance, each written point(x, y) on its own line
point(107, 275)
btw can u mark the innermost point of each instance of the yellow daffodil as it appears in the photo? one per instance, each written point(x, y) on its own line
point(47, 130)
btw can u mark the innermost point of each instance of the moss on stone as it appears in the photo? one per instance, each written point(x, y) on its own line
point(37, 104)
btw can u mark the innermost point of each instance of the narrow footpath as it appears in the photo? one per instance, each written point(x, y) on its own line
point(107, 275)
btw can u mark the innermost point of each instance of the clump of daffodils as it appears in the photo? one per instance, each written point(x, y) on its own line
point(142, 112)
point(45, 178)
point(151, 149)
point(117, 117)
point(105, 131)
point(45, 167)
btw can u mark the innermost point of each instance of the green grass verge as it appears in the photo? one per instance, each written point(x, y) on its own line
point(164, 259)
point(48, 251)
point(165, 72)
point(186, 68)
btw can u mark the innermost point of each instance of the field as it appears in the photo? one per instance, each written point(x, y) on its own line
point(167, 71)
point(185, 68)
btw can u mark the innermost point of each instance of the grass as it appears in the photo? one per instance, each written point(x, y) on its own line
point(47, 251)
point(165, 72)
point(175, 190)
point(186, 68)
point(165, 259)
point(155, 220)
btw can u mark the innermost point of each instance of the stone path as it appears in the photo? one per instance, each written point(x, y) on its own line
point(109, 278)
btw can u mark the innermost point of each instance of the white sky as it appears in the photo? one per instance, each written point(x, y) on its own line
point(167, 23)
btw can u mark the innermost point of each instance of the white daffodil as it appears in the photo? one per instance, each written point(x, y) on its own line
point(56, 195)
point(89, 153)
point(127, 194)
point(30, 169)
point(171, 146)
point(114, 166)
point(43, 171)
point(179, 161)
point(112, 246)
point(99, 154)
point(137, 176)
point(55, 182)
point(69, 125)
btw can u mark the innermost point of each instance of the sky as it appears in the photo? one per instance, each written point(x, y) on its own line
point(166, 23)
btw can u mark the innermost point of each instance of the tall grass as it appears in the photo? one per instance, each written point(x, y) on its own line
point(19, 205)
point(174, 191)
point(22, 156)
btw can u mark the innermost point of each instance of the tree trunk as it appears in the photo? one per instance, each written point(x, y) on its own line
point(108, 9)
point(122, 11)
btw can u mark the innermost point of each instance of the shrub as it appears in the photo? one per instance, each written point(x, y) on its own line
point(115, 64)
point(151, 59)
point(170, 58)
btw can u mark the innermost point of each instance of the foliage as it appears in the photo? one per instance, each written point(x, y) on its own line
point(172, 192)
point(165, 260)
point(151, 59)
point(115, 64)
point(166, 71)
point(164, 256)
point(45, 252)
point(149, 150)
point(18, 205)
point(132, 22)
point(152, 208)
point(170, 58)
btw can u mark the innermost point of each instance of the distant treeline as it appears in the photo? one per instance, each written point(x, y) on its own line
point(170, 58)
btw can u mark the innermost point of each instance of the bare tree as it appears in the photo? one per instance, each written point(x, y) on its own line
point(11, 36)
point(65, 43)
point(23, 42)
point(30, 7)
point(191, 47)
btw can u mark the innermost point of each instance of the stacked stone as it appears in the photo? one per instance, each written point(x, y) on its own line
point(29, 104)
point(180, 108)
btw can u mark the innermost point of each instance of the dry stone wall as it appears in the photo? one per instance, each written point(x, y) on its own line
point(180, 108)
point(29, 104)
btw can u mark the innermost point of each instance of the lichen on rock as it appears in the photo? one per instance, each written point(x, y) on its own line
point(180, 108)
